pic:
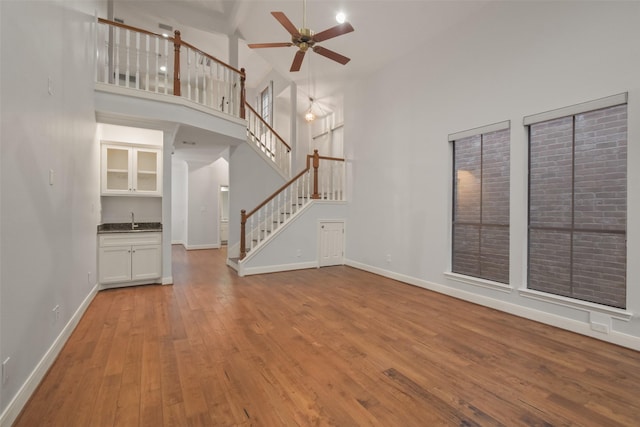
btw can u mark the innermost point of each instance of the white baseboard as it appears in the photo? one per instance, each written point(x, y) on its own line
point(167, 280)
point(20, 399)
point(177, 242)
point(198, 247)
point(561, 322)
point(276, 268)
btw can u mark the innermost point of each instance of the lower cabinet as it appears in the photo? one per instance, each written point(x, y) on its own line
point(129, 258)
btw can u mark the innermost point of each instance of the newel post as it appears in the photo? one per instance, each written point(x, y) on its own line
point(177, 41)
point(316, 164)
point(243, 222)
point(243, 95)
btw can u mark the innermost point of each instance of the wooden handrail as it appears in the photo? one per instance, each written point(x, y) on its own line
point(129, 27)
point(278, 191)
point(213, 58)
point(337, 159)
point(310, 157)
point(182, 42)
point(267, 125)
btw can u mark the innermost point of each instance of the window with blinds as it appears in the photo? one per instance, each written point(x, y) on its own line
point(578, 202)
point(480, 226)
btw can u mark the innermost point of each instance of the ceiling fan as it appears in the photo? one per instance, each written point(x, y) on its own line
point(303, 38)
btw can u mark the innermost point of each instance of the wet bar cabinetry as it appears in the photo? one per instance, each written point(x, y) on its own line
point(129, 258)
point(130, 170)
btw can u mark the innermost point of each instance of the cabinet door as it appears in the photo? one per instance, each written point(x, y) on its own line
point(115, 264)
point(146, 262)
point(116, 170)
point(147, 172)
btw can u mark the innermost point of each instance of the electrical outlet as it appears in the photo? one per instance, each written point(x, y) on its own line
point(299, 253)
point(388, 258)
point(5, 371)
point(88, 277)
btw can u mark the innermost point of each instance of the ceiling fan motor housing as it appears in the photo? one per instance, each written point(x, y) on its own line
point(305, 41)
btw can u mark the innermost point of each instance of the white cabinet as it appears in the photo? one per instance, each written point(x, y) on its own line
point(129, 258)
point(131, 170)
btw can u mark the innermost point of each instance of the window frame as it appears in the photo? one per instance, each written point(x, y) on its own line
point(450, 274)
point(546, 296)
point(267, 93)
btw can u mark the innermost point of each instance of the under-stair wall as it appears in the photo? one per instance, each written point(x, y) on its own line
point(296, 245)
point(251, 180)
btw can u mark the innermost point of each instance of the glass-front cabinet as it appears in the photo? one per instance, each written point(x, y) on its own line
point(131, 170)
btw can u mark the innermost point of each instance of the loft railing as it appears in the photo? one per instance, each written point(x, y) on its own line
point(322, 179)
point(268, 141)
point(138, 59)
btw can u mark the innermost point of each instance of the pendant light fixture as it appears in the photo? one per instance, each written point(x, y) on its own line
point(309, 116)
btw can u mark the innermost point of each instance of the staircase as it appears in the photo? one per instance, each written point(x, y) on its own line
point(321, 181)
point(129, 60)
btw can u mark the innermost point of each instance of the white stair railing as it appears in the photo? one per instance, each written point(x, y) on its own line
point(133, 58)
point(322, 179)
point(268, 141)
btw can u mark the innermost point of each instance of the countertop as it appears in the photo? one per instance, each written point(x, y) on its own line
point(125, 227)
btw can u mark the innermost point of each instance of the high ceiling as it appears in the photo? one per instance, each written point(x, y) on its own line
point(384, 31)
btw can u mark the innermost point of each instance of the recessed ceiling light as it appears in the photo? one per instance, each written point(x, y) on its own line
point(341, 17)
point(163, 68)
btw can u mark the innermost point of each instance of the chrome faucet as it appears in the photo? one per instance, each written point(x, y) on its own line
point(133, 222)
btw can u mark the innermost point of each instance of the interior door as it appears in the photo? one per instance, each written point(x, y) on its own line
point(331, 240)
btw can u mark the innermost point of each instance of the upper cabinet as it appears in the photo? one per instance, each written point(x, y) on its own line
point(129, 170)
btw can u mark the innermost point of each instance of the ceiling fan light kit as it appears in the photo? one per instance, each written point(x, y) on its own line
point(305, 39)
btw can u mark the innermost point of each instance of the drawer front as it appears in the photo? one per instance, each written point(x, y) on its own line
point(124, 239)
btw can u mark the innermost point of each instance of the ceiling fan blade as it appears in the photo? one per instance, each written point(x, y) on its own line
point(331, 54)
point(332, 32)
point(297, 61)
point(261, 45)
point(286, 23)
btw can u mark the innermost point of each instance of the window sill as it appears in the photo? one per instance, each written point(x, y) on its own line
point(474, 281)
point(615, 313)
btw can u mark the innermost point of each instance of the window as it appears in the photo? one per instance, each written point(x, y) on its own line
point(481, 203)
point(266, 104)
point(578, 202)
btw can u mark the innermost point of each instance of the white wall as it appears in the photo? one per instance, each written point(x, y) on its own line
point(251, 180)
point(179, 188)
point(48, 244)
point(203, 203)
point(515, 59)
point(130, 135)
point(118, 209)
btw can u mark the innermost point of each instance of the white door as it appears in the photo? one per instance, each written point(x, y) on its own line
point(331, 243)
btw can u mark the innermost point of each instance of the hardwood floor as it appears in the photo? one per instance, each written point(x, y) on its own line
point(334, 346)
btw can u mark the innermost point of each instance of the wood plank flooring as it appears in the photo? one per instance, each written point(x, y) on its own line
point(328, 347)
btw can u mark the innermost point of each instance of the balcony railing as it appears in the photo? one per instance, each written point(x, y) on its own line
point(133, 58)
